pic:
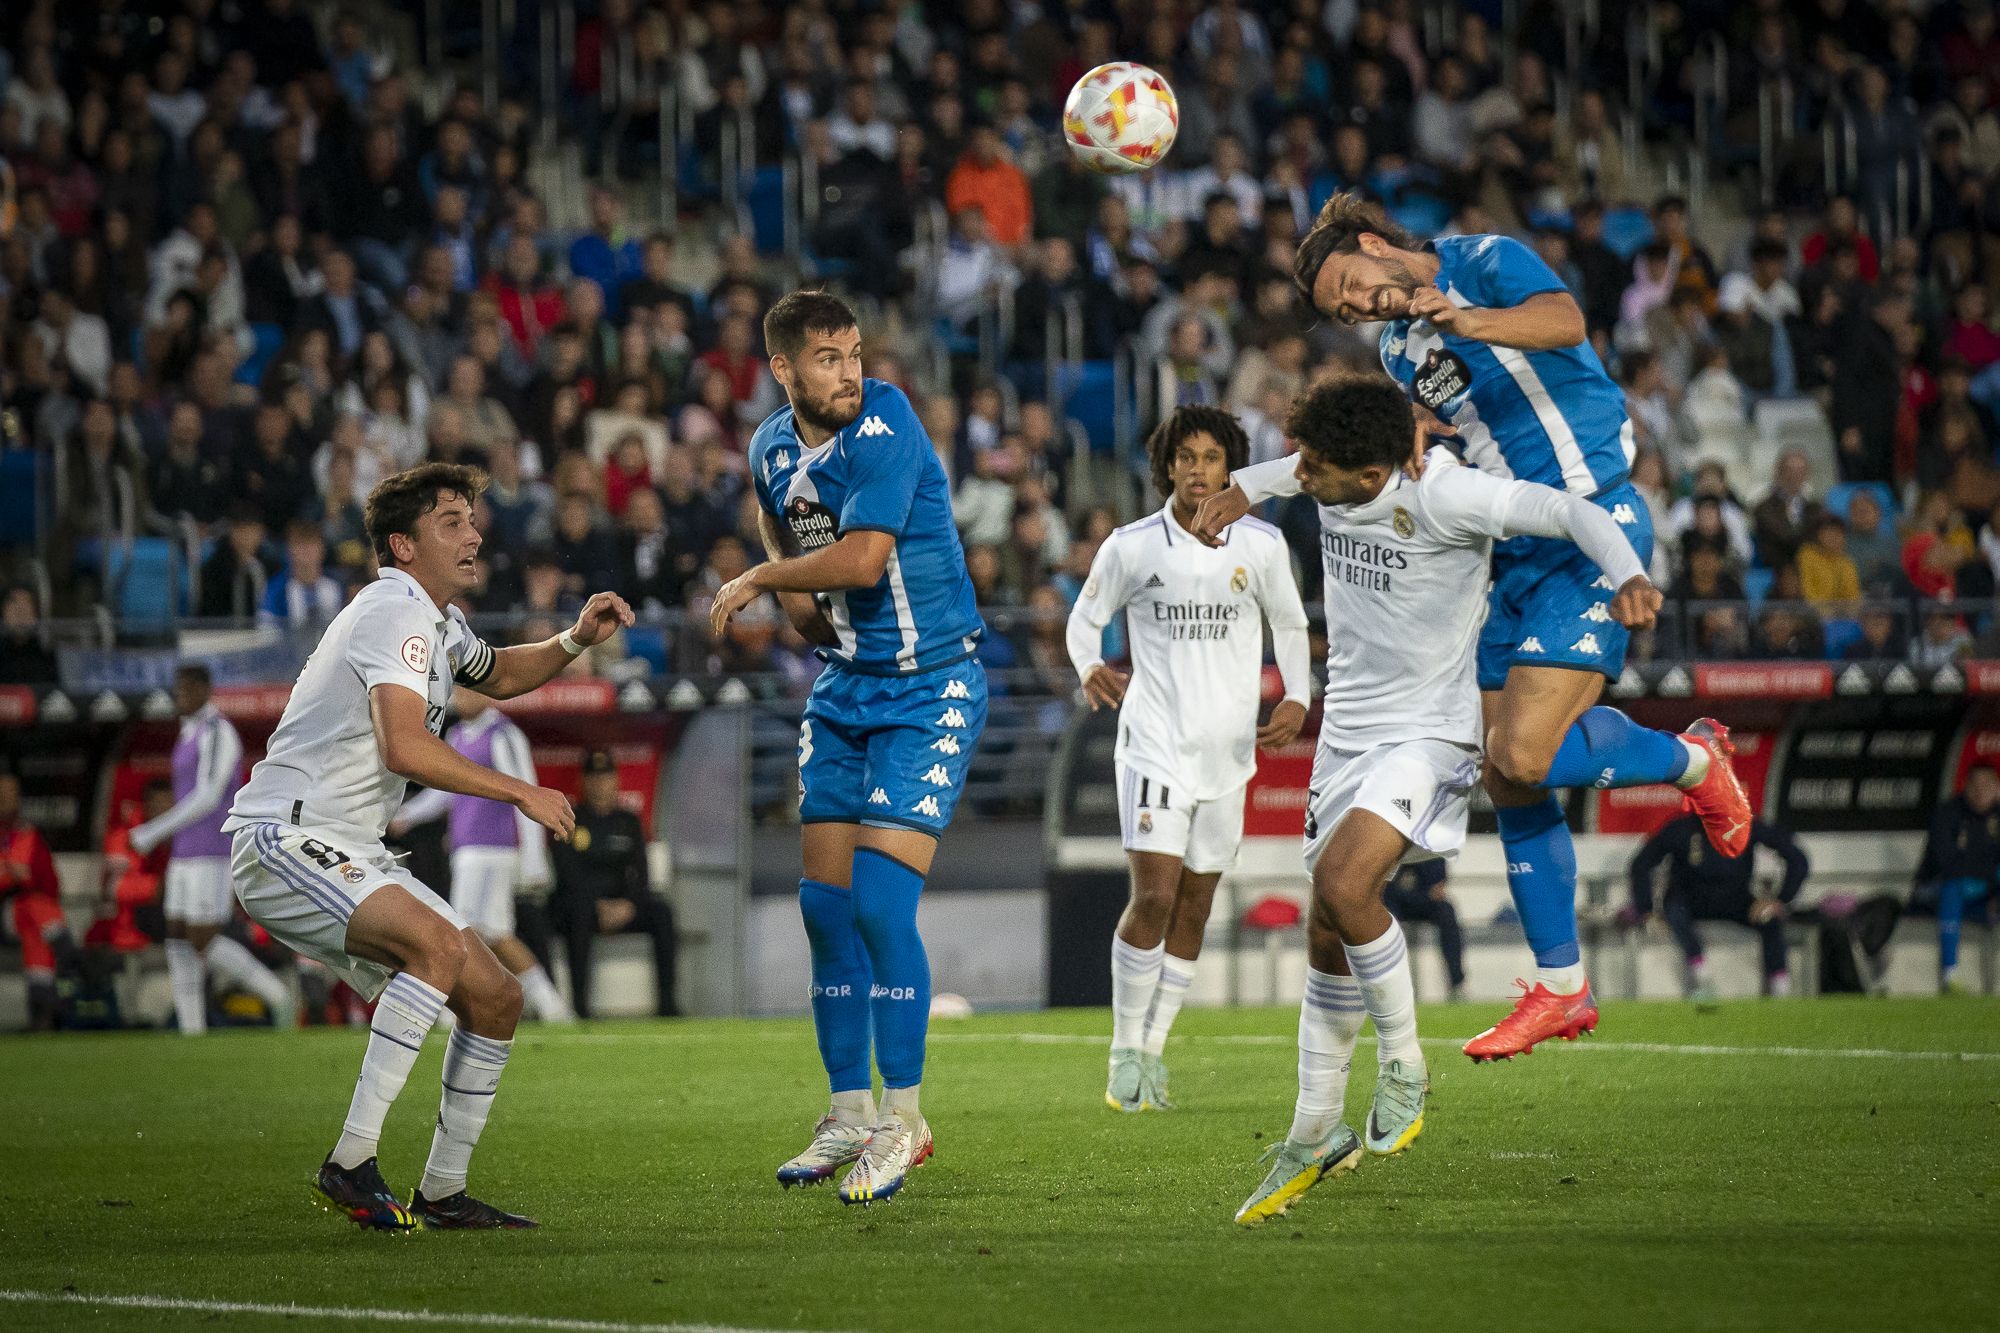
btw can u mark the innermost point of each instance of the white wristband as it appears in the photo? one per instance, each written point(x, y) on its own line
point(567, 642)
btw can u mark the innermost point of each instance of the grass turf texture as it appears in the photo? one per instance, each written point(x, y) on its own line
point(1578, 1188)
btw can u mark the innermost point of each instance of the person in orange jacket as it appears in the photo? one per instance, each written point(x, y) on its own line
point(33, 894)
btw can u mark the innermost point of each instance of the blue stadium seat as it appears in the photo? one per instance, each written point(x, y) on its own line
point(1840, 636)
point(1757, 583)
point(1421, 214)
point(17, 497)
point(648, 642)
point(1840, 497)
point(266, 340)
point(1093, 405)
point(1626, 230)
point(146, 583)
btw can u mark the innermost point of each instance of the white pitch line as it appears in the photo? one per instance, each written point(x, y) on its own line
point(1276, 1039)
point(439, 1318)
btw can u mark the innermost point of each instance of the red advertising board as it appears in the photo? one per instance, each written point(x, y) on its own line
point(1981, 747)
point(1276, 803)
point(1764, 680)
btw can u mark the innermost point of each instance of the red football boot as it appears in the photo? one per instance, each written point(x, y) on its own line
point(1538, 1015)
point(1719, 798)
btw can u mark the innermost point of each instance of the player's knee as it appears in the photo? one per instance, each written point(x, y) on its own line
point(442, 955)
point(1152, 902)
point(1521, 761)
point(506, 1002)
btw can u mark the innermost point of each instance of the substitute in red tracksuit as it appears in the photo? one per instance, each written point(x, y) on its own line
point(33, 898)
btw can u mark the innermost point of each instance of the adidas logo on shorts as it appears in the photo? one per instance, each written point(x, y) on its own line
point(928, 806)
point(937, 777)
point(872, 427)
point(878, 797)
point(1402, 803)
point(955, 690)
point(951, 718)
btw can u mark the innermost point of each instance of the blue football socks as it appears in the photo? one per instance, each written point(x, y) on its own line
point(1541, 874)
point(1605, 748)
point(840, 984)
point(885, 908)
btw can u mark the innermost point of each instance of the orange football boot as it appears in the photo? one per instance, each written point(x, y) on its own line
point(1719, 798)
point(1538, 1015)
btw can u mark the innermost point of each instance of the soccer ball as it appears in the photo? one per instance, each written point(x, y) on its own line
point(1121, 118)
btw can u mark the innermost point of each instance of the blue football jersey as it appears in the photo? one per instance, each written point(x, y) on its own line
point(1549, 417)
point(878, 473)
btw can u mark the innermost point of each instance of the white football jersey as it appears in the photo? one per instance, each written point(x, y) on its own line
point(322, 769)
point(1189, 719)
point(1406, 580)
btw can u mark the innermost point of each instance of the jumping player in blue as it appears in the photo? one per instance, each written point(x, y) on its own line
point(856, 511)
point(1483, 336)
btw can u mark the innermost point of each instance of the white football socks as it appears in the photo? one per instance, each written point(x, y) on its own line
point(1697, 768)
point(1135, 976)
point(902, 1102)
point(1382, 966)
point(1329, 1022)
point(233, 962)
point(1562, 980)
point(189, 979)
point(855, 1108)
point(472, 1069)
point(543, 997)
point(1176, 975)
point(403, 1018)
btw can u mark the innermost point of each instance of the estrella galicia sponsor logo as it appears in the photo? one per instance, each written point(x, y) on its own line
point(1442, 378)
point(811, 522)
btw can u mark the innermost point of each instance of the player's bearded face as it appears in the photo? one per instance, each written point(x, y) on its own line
point(824, 380)
point(1358, 288)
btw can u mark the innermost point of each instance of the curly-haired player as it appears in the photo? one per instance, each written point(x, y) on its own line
point(1187, 727)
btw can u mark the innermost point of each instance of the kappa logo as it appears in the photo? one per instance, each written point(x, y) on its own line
point(777, 463)
point(951, 717)
point(928, 806)
point(945, 745)
point(1587, 644)
point(937, 777)
point(1402, 803)
point(1531, 644)
point(878, 797)
point(1598, 612)
point(1394, 347)
point(872, 427)
point(955, 690)
point(1155, 582)
point(1623, 514)
point(1604, 582)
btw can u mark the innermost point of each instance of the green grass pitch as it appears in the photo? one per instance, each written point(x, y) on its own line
point(1765, 1166)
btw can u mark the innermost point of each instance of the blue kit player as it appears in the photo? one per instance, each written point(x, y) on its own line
point(1482, 335)
point(850, 486)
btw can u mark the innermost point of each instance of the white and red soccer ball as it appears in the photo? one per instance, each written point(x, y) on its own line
point(1121, 118)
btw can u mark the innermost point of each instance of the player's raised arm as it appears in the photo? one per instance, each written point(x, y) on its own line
point(1503, 509)
point(1278, 594)
point(518, 670)
point(1247, 487)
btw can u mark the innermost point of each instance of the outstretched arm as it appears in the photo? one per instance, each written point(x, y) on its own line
point(221, 756)
point(1542, 511)
point(857, 560)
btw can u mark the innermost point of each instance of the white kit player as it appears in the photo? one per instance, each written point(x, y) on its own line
point(497, 852)
point(1406, 565)
point(195, 897)
point(1187, 727)
point(308, 861)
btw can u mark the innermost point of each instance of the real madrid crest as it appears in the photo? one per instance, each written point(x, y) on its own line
point(1406, 526)
point(1239, 580)
point(1145, 821)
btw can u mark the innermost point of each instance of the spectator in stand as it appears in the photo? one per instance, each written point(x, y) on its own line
point(233, 577)
point(1827, 574)
point(33, 897)
point(1937, 546)
point(1867, 371)
point(80, 341)
point(652, 574)
point(301, 593)
point(985, 179)
point(1692, 269)
point(1711, 601)
point(1943, 641)
point(606, 254)
point(1701, 886)
point(586, 551)
point(1961, 864)
point(530, 305)
point(1882, 638)
point(25, 655)
point(274, 475)
point(1873, 544)
point(1842, 224)
point(1711, 482)
point(1788, 513)
point(1787, 629)
point(1756, 310)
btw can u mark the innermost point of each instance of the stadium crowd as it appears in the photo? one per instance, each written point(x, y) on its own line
point(244, 273)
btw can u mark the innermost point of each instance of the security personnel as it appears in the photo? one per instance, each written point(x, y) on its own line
point(1703, 885)
point(1962, 859)
point(602, 887)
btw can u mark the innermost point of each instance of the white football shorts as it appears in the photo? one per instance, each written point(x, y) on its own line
point(1203, 834)
point(196, 891)
point(1422, 789)
point(483, 880)
point(302, 887)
